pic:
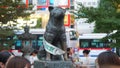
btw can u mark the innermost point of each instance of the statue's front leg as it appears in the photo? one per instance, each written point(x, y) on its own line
point(64, 46)
point(49, 38)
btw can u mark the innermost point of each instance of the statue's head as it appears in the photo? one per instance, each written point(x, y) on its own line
point(57, 12)
point(26, 29)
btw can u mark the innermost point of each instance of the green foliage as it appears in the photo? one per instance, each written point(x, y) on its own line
point(6, 32)
point(10, 10)
point(106, 18)
point(6, 43)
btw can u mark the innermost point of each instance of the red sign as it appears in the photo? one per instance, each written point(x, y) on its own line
point(46, 3)
point(67, 20)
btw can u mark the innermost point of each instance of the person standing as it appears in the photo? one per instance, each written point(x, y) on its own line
point(4, 57)
point(85, 61)
point(18, 62)
point(108, 59)
point(33, 57)
point(87, 57)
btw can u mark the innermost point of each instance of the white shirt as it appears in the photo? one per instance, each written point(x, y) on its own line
point(85, 60)
point(32, 59)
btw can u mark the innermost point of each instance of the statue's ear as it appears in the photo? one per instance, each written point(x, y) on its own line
point(50, 8)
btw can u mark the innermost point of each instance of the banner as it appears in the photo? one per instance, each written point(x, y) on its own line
point(52, 49)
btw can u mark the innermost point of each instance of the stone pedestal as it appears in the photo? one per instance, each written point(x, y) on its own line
point(53, 64)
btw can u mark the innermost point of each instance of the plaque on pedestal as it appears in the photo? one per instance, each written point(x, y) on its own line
point(53, 64)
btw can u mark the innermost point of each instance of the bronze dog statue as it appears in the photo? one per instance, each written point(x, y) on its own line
point(55, 30)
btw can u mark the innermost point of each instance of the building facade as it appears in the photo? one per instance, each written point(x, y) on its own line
point(80, 24)
point(41, 9)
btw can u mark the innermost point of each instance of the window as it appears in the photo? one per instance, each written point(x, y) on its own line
point(84, 43)
point(34, 43)
point(89, 3)
point(51, 2)
point(24, 1)
point(30, 1)
point(27, 43)
point(40, 43)
point(73, 35)
point(41, 2)
point(40, 40)
point(93, 3)
point(93, 43)
point(18, 42)
point(84, 3)
point(71, 2)
point(97, 43)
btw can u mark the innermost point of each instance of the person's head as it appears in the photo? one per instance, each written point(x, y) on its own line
point(34, 53)
point(86, 52)
point(18, 62)
point(4, 56)
point(108, 58)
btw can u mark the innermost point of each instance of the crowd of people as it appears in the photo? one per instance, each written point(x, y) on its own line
point(9, 60)
point(107, 59)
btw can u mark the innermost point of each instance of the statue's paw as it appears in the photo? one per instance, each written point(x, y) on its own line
point(66, 59)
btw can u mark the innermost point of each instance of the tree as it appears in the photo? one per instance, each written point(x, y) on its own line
point(106, 17)
point(10, 11)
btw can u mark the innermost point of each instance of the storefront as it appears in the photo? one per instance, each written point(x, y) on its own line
point(41, 7)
